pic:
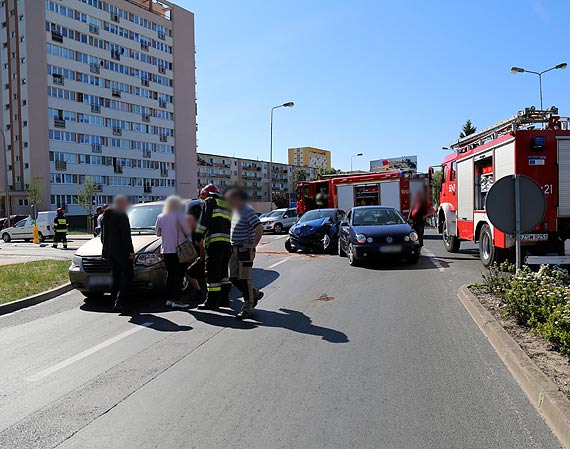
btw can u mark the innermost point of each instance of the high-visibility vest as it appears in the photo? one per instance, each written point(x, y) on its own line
point(60, 224)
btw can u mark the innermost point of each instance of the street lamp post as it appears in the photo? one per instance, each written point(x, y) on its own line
point(289, 104)
point(352, 157)
point(515, 70)
point(6, 184)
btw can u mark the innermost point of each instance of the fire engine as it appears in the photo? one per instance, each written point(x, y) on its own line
point(395, 188)
point(533, 143)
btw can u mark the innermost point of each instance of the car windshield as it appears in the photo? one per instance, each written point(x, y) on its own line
point(275, 213)
point(317, 214)
point(376, 217)
point(143, 218)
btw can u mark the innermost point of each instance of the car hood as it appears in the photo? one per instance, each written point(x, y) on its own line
point(311, 225)
point(267, 219)
point(141, 243)
point(383, 230)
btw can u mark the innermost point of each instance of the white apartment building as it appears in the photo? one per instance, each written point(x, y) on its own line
point(99, 89)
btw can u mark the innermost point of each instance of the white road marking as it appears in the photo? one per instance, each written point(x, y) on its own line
point(86, 353)
point(277, 263)
point(434, 259)
point(279, 237)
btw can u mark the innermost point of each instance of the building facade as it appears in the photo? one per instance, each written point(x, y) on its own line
point(310, 157)
point(253, 175)
point(101, 90)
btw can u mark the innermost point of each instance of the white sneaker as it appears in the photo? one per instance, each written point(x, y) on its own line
point(178, 305)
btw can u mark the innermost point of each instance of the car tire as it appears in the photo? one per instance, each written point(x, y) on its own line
point(352, 260)
point(450, 242)
point(288, 246)
point(278, 228)
point(41, 237)
point(341, 252)
point(6, 237)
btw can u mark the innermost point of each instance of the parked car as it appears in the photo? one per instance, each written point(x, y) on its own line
point(316, 230)
point(24, 229)
point(5, 223)
point(91, 274)
point(279, 220)
point(374, 231)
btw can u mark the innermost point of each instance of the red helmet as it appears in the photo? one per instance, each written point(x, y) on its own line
point(59, 210)
point(210, 188)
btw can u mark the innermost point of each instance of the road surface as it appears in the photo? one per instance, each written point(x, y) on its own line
point(338, 357)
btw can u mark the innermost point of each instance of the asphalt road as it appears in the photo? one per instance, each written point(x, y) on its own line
point(338, 357)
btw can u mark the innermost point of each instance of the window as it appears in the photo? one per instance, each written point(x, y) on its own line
point(453, 171)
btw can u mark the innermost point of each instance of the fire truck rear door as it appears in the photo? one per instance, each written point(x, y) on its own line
point(564, 177)
point(390, 194)
point(345, 196)
point(465, 189)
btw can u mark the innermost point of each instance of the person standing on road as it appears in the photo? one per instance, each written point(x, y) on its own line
point(60, 226)
point(95, 220)
point(246, 232)
point(173, 227)
point(118, 249)
point(421, 211)
point(213, 232)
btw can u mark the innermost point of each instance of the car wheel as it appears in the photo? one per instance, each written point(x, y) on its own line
point(450, 242)
point(288, 246)
point(326, 242)
point(41, 237)
point(278, 228)
point(413, 259)
point(351, 257)
point(341, 252)
point(487, 251)
point(6, 237)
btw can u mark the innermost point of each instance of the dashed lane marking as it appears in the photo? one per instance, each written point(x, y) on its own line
point(276, 264)
point(86, 353)
point(277, 237)
point(433, 259)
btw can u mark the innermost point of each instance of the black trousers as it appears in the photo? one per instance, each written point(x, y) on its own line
point(420, 229)
point(122, 272)
point(175, 271)
point(60, 237)
point(217, 259)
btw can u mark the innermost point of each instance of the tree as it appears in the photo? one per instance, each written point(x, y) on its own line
point(35, 191)
point(280, 200)
point(85, 195)
point(436, 186)
point(468, 129)
point(325, 171)
point(300, 174)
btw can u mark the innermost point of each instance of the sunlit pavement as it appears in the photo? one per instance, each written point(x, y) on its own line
point(380, 356)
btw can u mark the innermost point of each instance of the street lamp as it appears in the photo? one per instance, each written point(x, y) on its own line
point(289, 104)
point(515, 70)
point(352, 157)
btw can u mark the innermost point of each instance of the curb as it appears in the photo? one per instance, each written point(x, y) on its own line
point(35, 299)
point(544, 395)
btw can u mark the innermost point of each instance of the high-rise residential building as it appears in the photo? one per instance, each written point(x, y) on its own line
point(98, 89)
point(310, 157)
point(252, 174)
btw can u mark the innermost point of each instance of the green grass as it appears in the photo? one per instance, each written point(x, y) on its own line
point(25, 279)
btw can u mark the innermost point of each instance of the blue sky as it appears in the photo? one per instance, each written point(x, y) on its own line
point(386, 78)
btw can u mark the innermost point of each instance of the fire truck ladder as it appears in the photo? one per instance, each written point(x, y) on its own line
point(523, 118)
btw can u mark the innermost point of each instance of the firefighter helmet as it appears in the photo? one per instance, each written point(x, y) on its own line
point(210, 188)
point(59, 210)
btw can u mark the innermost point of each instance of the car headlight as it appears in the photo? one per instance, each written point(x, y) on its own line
point(414, 236)
point(76, 261)
point(360, 238)
point(147, 259)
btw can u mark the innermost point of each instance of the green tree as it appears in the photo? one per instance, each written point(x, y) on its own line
point(35, 191)
point(468, 129)
point(436, 186)
point(300, 174)
point(324, 172)
point(85, 195)
point(280, 200)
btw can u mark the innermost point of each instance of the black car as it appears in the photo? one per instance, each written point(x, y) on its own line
point(374, 231)
point(317, 230)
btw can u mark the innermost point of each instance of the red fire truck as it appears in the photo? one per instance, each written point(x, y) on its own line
point(396, 189)
point(532, 143)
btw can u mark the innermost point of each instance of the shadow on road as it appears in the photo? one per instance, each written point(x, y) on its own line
point(158, 323)
point(425, 263)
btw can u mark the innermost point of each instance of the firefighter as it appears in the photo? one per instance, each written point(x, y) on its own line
point(321, 199)
point(60, 226)
point(213, 234)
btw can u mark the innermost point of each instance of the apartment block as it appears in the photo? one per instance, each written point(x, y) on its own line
point(310, 157)
point(253, 175)
point(97, 89)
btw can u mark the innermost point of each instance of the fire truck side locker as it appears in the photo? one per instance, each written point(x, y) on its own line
point(563, 177)
point(345, 196)
point(390, 194)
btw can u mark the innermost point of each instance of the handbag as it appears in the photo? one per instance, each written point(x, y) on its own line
point(186, 251)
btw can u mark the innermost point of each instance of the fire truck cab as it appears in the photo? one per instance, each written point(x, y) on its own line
point(532, 143)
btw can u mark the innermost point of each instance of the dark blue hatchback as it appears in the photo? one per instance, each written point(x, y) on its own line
point(377, 231)
point(317, 230)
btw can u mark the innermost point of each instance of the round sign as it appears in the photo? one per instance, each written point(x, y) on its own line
point(500, 204)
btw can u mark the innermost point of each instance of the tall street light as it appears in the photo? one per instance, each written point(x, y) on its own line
point(515, 70)
point(289, 104)
point(352, 157)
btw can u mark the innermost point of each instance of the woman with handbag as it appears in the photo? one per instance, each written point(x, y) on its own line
point(173, 227)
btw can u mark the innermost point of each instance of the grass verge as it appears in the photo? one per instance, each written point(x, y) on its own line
point(25, 279)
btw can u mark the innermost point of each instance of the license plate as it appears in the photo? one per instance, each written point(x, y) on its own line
point(390, 249)
point(534, 237)
point(99, 281)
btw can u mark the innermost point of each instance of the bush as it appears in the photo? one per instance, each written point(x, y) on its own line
point(540, 300)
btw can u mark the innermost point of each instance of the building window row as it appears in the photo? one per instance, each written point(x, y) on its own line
point(121, 13)
point(64, 158)
point(72, 200)
point(65, 178)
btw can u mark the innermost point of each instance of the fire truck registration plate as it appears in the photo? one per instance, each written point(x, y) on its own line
point(391, 249)
point(534, 237)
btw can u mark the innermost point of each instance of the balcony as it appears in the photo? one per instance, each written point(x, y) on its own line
point(117, 131)
point(99, 188)
point(116, 93)
point(144, 46)
point(61, 165)
point(163, 138)
point(96, 148)
point(93, 29)
point(57, 79)
point(59, 123)
point(56, 36)
point(147, 189)
point(162, 103)
point(161, 35)
point(146, 118)
point(161, 70)
point(147, 154)
point(164, 173)
point(115, 17)
point(116, 55)
point(145, 82)
point(94, 68)
point(96, 108)
point(118, 169)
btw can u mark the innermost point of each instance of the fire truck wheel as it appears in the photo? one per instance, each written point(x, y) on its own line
point(450, 242)
point(487, 251)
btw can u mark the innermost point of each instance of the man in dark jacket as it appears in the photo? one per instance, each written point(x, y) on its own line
point(60, 226)
point(118, 248)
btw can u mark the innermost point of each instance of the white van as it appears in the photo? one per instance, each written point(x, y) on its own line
point(24, 229)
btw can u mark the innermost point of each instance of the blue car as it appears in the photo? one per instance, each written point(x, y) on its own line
point(371, 232)
point(316, 231)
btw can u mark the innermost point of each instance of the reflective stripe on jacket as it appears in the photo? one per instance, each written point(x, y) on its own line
point(215, 221)
point(60, 224)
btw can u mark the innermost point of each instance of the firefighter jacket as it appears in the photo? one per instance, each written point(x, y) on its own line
point(60, 223)
point(215, 221)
